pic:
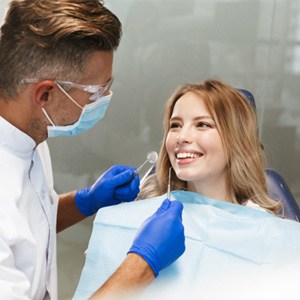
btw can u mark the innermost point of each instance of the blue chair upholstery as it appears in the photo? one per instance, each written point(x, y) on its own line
point(249, 97)
point(277, 187)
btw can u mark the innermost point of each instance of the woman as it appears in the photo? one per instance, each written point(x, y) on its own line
point(233, 235)
point(212, 145)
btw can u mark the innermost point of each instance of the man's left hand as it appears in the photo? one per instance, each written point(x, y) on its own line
point(116, 185)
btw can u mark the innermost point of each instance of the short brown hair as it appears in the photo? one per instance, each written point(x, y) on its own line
point(52, 38)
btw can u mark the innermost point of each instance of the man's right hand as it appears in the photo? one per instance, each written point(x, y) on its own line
point(160, 240)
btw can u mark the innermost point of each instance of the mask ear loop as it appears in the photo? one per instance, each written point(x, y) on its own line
point(63, 90)
point(47, 116)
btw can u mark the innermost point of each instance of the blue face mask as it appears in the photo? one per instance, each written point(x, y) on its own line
point(91, 114)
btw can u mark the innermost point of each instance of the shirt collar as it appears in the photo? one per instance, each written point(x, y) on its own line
point(15, 140)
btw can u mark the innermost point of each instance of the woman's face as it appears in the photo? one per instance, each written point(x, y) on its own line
point(194, 145)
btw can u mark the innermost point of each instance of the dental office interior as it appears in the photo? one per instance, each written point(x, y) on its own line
point(250, 44)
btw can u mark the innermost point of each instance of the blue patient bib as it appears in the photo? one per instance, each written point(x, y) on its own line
point(224, 243)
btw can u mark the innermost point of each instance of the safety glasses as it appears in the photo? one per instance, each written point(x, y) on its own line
point(97, 91)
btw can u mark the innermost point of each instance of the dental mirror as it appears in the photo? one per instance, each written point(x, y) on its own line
point(151, 158)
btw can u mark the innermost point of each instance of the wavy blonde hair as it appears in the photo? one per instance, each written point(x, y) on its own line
point(236, 123)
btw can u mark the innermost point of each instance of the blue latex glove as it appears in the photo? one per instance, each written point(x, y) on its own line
point(160, 240)
point(112, 187)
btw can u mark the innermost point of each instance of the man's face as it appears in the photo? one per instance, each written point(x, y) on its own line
point(98, 71)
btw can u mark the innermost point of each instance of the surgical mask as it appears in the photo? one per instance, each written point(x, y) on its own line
point(91, 114)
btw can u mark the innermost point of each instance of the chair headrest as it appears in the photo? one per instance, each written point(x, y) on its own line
point(249, 97)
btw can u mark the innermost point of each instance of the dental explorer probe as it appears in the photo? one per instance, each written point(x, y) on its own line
point(169, 184)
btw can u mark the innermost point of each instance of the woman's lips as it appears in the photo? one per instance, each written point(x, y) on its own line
point(185, 157)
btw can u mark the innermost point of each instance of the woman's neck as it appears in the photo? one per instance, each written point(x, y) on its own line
point(211, 190)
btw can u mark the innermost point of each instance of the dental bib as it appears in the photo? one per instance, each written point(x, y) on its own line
point(229, 248)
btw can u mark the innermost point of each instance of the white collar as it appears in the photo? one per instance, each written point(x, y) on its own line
point(251, 204)
point(15, 140)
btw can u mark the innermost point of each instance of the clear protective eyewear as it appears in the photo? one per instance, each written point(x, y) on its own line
point(97, 91)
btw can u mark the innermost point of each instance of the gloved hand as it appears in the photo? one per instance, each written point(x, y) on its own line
point(112, 187)
point(160, 240)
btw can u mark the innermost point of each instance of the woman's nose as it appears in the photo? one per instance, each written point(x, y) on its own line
point(184, 136)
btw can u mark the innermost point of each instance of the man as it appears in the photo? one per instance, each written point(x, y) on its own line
point(55, 76)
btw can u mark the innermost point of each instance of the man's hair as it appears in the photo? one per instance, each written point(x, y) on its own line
point(51, 39)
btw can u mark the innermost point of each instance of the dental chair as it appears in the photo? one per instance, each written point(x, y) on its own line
point(277, 187)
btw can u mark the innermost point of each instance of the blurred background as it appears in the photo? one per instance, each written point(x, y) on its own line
point(251, 44)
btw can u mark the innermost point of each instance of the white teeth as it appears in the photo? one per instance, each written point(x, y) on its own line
point(186, 155)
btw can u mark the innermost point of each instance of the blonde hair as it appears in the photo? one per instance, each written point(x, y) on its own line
point(236, 123)
point(52, 40)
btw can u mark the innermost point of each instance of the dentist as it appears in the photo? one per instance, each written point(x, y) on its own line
point(56, 62)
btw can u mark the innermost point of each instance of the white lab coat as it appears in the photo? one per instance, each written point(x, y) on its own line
point(28, 209)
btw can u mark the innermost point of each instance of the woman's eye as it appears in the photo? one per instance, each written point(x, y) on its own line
point(203, 125)
point(174, 125)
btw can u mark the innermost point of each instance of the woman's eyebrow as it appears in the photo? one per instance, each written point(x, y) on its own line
point(196, 118)
point(203, 117)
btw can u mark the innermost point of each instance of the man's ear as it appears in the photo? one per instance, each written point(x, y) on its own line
point(43, 92)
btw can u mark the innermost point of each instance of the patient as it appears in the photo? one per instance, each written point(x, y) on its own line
point(212, 145)
point(234, 237)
